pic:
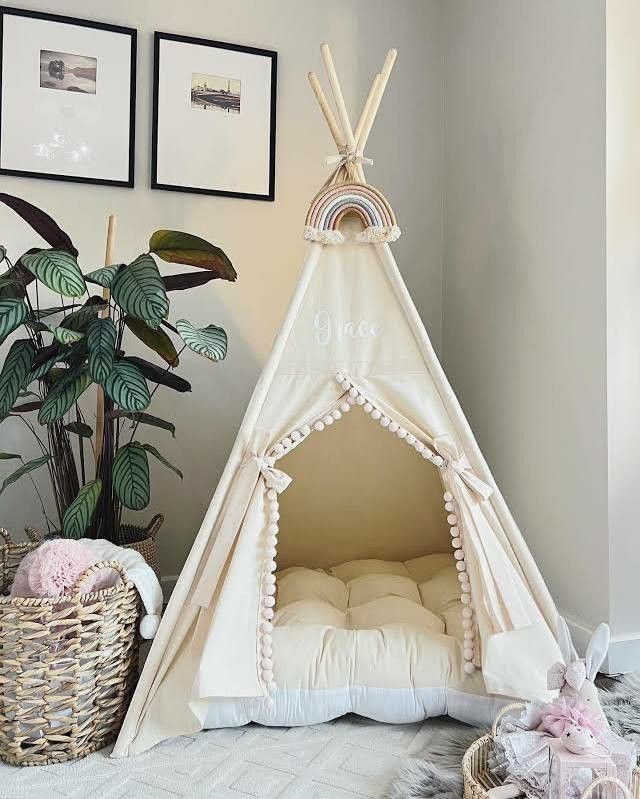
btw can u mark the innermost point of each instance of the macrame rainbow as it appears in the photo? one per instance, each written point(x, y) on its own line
point(334, 202)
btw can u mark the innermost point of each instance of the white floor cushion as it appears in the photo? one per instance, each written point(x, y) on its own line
point(377, 638)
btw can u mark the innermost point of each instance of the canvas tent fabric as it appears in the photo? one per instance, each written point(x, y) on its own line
point(351, 339)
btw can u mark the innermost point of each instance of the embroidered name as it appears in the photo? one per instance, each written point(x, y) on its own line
point(328, 328)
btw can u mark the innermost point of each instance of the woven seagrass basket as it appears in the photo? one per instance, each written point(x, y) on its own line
point(478, 779)
point(68, 665)
point(143, 540)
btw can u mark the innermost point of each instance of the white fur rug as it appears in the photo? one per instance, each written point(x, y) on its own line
point(435, 772)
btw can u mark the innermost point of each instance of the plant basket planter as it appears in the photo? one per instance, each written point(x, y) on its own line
point(479, 779)
point(143, 540)
point(68, 666)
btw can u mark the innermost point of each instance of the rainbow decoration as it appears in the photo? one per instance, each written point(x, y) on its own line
point(334, 202)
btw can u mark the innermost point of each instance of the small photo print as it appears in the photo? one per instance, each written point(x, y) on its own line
point(215, 93)
point(71, 73)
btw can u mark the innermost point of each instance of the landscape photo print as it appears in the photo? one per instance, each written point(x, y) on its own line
point(211, 92)
point(69, 72)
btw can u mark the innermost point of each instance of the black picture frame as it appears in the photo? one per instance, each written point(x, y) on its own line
point(271, 54)
point(86, 23)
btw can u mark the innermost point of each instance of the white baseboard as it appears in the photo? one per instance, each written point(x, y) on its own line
point(168, 583)
point(624, 650)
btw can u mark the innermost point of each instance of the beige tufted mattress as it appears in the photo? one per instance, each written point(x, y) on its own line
point(379, 638)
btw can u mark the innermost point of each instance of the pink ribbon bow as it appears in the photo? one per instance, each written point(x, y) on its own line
point(573, 675)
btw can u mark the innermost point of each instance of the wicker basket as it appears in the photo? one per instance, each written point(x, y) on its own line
point(68, 666)
point(478, 779)
point(143, 540)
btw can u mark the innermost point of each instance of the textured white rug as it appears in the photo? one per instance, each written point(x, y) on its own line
point(349, 757)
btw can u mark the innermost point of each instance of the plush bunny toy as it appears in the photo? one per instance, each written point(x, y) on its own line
point(576, 677)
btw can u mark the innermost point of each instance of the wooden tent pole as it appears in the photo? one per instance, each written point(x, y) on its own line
point(326, 110)
point(365, 108)
point(375, 105)
point(343, 116)
point(106, 294)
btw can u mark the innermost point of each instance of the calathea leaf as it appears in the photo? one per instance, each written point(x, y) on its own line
point(27, 407)
point(188, 280)
point(14, 373)
point(44, 312)
point(159, 375)
point(58, 270)
point(102, 336)
point(13, 312)
point(78, 515)
point(63, 395)
point(9, 456)
point(80, 429)
point(13, 284)
point(127, 387)
point(144, 418)
point(130, 474)
point(42, 223)
point(157, 340)
point(79, 320)
point(162, 459)
point(102, 277)
point(139, 291)
point(27, 467)
point(210, 342)
point(46, 358)
point(66, 336)
point(183, 248)
point(38, 327)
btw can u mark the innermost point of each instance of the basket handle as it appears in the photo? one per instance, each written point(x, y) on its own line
point(4, 535)
point(35, 536)
point(103, 564)
point(602, 781)
point(154, 525)
point(506, 709)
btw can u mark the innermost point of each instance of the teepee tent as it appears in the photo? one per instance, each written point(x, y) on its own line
point(419, 596)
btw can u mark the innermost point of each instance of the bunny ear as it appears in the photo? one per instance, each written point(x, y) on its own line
point(567, 649)
point(597, 650)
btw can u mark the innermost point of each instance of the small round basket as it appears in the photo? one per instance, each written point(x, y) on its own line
point(68, 666)
point(143, 540)
point(478, 778)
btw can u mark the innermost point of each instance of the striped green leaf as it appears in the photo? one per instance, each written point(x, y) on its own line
point(130, 476)
point(157, 340)
point(65, 336)
point(14, 373)
point(79, 320)
point(162, 459)
point(139, 291)
point(58, 270)
point(63, 395)
point(210, 342)
point(127, 387)
point(13, 312)
point(9, 456)
point(102, 337)
point(78, 515)
point(27, 467)
point(102, 277)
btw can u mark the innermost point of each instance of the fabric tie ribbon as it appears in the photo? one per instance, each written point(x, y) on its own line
point(573, 675)
point(459, 463)
point(345, 159)
point(273, 478)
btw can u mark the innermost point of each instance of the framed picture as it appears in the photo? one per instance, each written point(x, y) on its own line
point(214, 118)
point(67, 98)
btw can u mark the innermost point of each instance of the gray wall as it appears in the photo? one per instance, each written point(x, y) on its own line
point(524, 303)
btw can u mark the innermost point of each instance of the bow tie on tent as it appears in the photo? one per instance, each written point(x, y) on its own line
point(459, 464)
point(274, 478)
point(348, 158)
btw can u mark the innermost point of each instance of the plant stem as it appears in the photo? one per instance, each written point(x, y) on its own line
point(81, 447)
point(47, 520)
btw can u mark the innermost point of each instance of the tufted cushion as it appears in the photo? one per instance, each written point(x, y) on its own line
point(373, 594)
point(299, 583)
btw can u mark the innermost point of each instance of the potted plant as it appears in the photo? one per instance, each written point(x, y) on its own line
point(55, 353)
